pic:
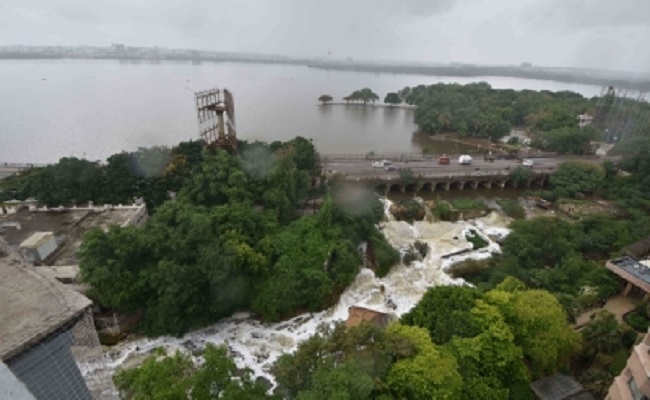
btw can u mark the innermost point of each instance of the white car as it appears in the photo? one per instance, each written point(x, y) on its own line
point(527, 162)
point(381, 164)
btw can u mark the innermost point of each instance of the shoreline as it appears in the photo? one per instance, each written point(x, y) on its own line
point(369, 105)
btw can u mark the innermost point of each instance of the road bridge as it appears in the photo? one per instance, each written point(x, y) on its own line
point(428, 175)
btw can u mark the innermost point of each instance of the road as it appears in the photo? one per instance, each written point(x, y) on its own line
point(431, 167)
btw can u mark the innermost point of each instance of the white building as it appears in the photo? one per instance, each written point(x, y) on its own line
point(38, 246)
point(585, 120)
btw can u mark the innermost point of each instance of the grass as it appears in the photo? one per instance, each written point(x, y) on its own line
point(512, 208)
point(466, 204)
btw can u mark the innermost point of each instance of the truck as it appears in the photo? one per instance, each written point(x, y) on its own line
point(465, 160)
point(443, 160)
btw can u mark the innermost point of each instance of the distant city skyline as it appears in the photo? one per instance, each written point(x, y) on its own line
point(581, 33)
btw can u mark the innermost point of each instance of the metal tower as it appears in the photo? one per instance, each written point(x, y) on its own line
point(216, 116)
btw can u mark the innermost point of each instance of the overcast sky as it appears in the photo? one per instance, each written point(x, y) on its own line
point(613, 34)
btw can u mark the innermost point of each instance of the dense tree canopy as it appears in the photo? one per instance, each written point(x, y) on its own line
point(233, 240)
point(476, 109)
point(176, 377)
point(572, 178)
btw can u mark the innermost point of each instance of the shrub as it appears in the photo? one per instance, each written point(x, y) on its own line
point(467, 204)
point(512, 208)
point(475, 239)
point(637, 320)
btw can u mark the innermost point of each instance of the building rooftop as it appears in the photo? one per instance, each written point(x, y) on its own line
point(37, 239)
point(560, 387)
point(627, 267)
point(68, 227)
point(32, 306)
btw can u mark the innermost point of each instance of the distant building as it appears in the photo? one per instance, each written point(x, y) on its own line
point(585, 120)
point(526, 65)
point(634, 382)
point(38, 246)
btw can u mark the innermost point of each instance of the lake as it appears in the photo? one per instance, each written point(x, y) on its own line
point(94, 108)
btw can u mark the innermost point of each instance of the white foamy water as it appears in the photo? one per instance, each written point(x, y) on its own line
point(257, 345)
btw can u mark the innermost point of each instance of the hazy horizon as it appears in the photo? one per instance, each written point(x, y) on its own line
point(596, 34)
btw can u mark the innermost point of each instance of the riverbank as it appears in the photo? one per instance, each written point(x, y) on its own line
point(368, 105)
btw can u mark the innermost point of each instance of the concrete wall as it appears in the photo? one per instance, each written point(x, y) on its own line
point(46, 248)
point(49, 370)
point(637, 368)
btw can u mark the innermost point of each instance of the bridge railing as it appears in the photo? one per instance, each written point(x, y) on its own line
point(437, 175)
point(370, 157)
point(21, 165)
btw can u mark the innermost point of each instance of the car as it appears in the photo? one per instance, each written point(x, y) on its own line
point(381, 164)
point(527, 162)
point(390, 167)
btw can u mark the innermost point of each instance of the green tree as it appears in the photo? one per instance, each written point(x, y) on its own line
point(176, 377)
point(490, 361)
point(601, 335)
point(325, 98)
point(431, 374)
point(520, 175)
point(406, 175)
point(392, 98)
point(540, 328)
point(444, 312)
point(573, 177)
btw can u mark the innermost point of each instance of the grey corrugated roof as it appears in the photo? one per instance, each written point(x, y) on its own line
point(633, 267)
point(31, 304)
point(559, 387)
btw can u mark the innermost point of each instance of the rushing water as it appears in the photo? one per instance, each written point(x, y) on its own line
point(85, 108)
point(257, 345)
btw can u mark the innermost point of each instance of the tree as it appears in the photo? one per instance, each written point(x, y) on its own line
point(573, 177)
point(392, 98)
point(601, 335)
point(406, 175)
point(431, 373)
point(444, 312)
point(520, 175)
point(176, 377)
point(325, 98)
point(489, 361)
point(364, 95)
point(566, 140)
point(540, 328)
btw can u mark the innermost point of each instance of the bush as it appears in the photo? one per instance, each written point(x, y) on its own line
point(637, 320)
point(512, 208)
point(475, 239)
point(442, 210)
point(467, 204)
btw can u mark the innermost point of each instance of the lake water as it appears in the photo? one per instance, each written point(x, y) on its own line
point(94, 108)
